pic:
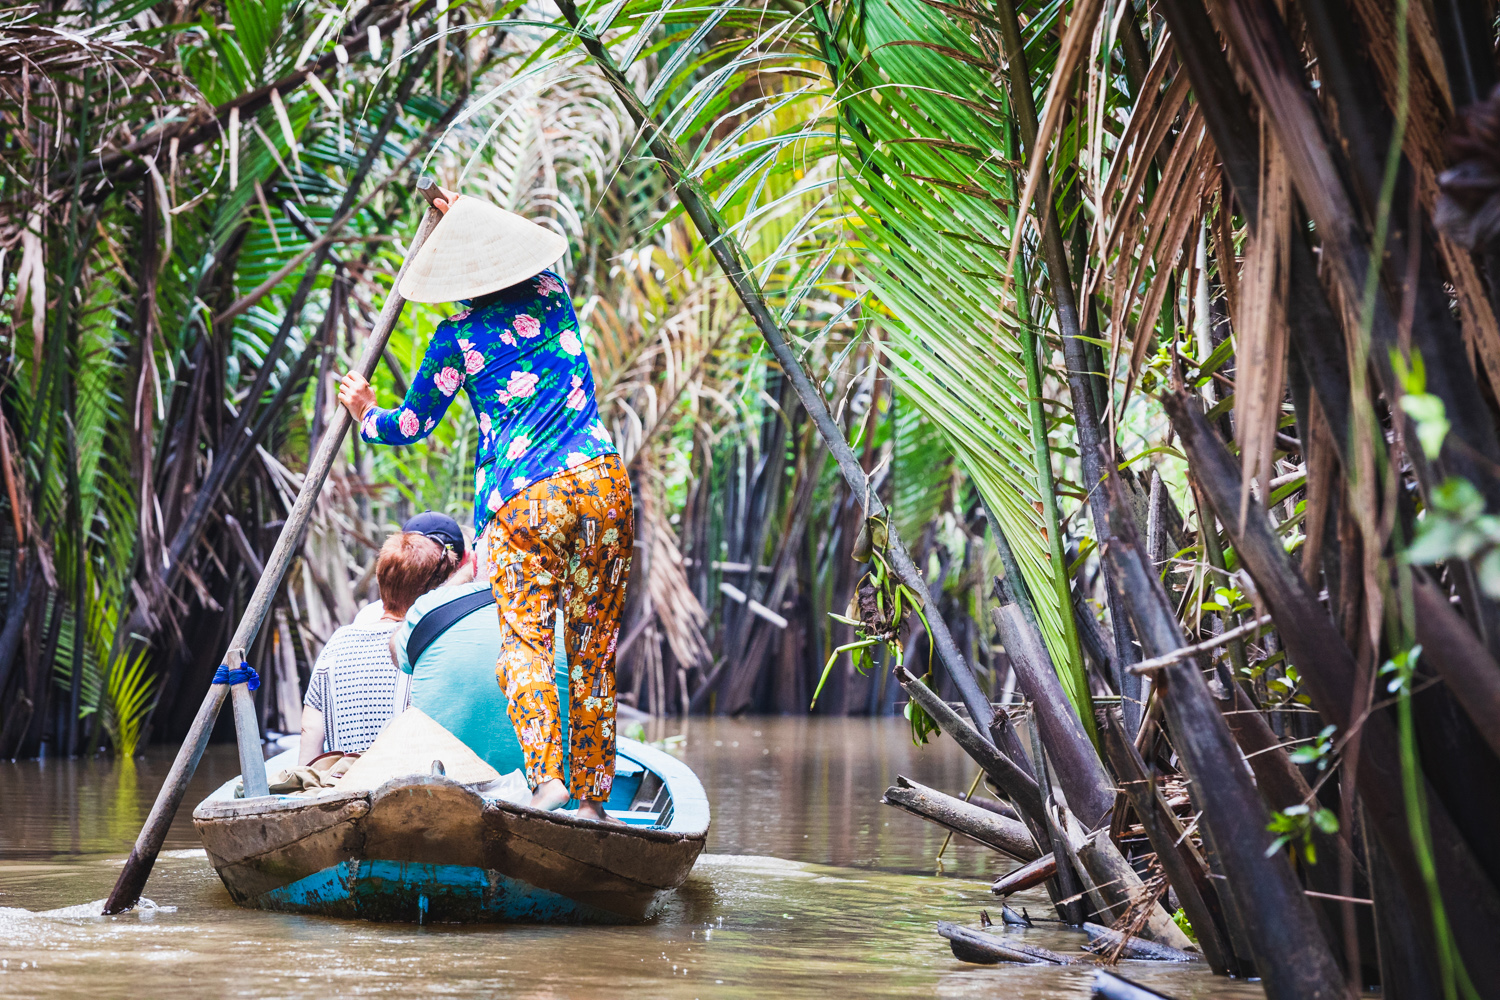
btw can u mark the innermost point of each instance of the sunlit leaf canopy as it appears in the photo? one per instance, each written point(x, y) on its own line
point(863, 155)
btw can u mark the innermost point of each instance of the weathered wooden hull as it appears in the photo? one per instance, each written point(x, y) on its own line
point(423, 848)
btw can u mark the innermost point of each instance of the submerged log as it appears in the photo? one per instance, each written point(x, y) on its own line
point(990, 949)
point(1108, 986)
point(1027, 876)
point(1103, 941)
point(952, 813)
point(1084, 782)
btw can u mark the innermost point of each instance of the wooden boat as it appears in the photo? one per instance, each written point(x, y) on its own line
point(424, 848)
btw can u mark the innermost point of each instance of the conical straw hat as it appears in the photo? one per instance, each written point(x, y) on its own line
point(479, 248)
point(408, 745)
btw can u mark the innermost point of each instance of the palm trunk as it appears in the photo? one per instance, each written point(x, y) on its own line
point(1330, 673)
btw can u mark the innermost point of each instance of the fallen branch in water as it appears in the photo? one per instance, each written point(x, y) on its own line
point(1027, 876)
point(952, 813)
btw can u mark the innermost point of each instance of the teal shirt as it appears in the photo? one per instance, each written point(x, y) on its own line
point(453, 681)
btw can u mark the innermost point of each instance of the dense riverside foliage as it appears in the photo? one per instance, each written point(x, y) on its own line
point(1144, 322)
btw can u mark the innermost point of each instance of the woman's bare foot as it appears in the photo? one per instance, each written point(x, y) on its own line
point(550, 794)
point(588, 809)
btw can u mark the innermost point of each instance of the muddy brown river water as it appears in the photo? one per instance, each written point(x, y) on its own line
point(809, 888)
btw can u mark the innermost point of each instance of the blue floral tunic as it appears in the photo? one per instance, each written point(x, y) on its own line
point(518, 355)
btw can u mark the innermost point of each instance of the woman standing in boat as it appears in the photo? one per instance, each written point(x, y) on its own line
point(552, 505)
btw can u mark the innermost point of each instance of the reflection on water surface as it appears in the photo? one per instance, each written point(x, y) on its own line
point(809, 885)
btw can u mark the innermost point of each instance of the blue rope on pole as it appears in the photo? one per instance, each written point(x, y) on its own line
point(243, 674)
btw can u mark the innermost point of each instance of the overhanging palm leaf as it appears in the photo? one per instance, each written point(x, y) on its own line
point(926, 161)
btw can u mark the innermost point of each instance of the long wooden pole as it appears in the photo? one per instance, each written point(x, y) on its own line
point(127, 890)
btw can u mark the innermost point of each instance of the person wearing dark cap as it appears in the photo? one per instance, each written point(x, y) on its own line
point(445, 531)
point(351, 695)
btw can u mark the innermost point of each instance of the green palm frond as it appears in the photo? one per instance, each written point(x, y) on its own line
point(925, 155)
point(129, 691)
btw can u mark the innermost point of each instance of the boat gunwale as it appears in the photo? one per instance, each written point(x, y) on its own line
point(690, 812)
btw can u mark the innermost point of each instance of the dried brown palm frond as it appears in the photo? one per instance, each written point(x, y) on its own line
point(1188, 180)
point(680, 616)
point(655, 337)
point(42, 57)
point(1074, 48)
point(1431, 112)
point(1141, 243)
point(41, 51)
point(1145, 133)
point(1260, 375)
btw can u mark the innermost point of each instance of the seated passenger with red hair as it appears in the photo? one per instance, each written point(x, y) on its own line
point(352, 692)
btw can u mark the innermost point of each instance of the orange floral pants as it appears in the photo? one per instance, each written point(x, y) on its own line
point(565, 542)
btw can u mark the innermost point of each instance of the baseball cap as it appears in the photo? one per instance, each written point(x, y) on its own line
point(439, 527)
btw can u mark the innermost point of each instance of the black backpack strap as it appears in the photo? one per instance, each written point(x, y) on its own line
point(443, 617)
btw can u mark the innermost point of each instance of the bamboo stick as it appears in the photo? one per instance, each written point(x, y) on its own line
point(731, 257)
point(247, 736)
point(132, 880)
